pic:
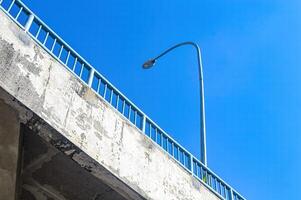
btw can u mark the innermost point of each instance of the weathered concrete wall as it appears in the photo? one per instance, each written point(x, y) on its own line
point(48, 89)
point(50, 167)
point(9, 148)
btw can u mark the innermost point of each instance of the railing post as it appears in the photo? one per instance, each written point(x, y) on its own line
point(231, 194)
point(29, 22)
point(191, 164)
point(91, 76)
point(143, 123)
point(10, 6)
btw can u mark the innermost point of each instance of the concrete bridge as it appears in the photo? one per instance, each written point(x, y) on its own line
point(61, 140)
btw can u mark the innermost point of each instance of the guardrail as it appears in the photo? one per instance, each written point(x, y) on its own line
point(68, 57)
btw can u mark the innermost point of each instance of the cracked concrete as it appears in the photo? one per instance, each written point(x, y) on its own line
point(118, 153)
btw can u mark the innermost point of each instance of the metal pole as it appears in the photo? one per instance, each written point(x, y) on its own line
point(143, 123)
point(202, 98)
point(91, 76)
point(191, 164)
point(231, 194)
point(29, 22)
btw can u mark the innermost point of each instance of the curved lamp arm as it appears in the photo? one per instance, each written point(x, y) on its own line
point(151, 62)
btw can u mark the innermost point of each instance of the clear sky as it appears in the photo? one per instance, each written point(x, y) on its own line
point(252, 68)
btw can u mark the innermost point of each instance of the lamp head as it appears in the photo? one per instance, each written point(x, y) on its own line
point(148, 64)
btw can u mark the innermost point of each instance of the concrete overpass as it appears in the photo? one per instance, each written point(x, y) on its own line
point(61, 139)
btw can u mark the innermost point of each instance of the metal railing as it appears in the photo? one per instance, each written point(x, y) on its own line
point(68, 57)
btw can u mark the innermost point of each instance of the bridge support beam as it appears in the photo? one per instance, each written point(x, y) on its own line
point(9, 151)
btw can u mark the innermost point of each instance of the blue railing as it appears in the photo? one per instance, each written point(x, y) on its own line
point(68, 57)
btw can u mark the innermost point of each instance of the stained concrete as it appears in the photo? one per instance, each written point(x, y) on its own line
point(106, 144)
point(38, 163)
point(50, 167)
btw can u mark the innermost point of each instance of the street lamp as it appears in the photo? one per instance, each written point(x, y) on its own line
point(151, 62)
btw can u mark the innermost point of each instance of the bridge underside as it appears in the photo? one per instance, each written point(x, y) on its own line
point(47, 173)
point(37, 163)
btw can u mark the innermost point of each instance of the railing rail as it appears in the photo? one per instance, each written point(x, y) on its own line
point(68, 57)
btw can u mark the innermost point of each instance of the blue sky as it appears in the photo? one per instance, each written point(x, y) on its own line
point(251, 58)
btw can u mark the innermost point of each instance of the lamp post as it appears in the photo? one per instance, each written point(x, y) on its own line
point(151, 62)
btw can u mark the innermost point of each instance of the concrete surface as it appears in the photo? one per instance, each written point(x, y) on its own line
point(133, 165)
point(49, 166)
point(48, 173)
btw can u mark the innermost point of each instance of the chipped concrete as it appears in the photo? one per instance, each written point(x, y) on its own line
point(132, 164)
point(47, 157)
point(48, 173)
